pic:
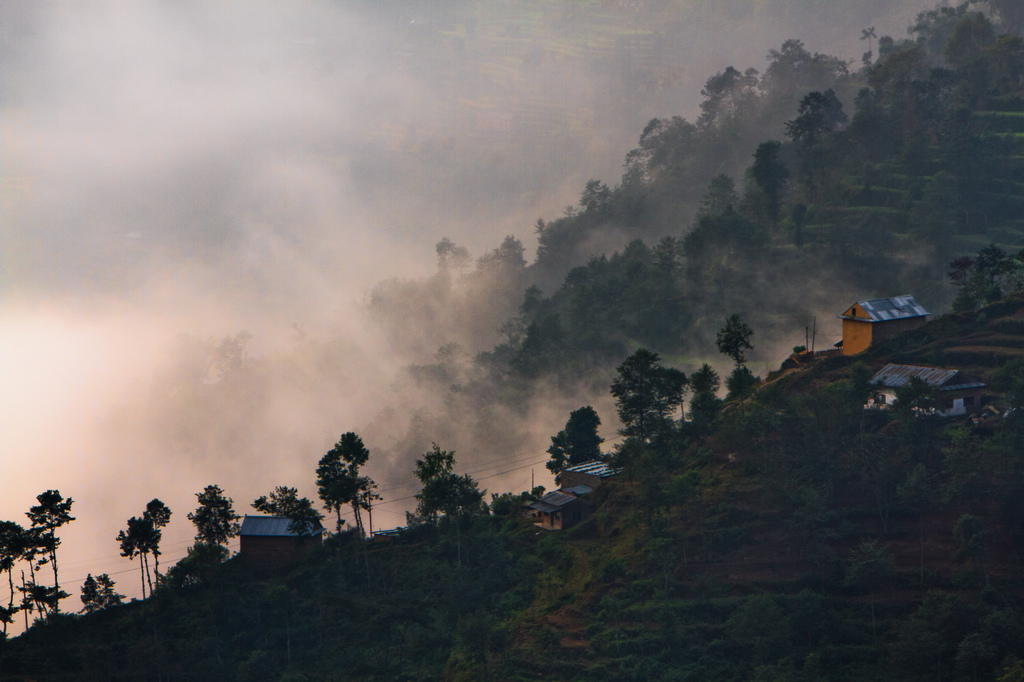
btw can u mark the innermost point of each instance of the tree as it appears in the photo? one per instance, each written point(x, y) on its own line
point(444, 493)
point(740, 382)
point(578, 442)
point(734, 339)
point(721, 196)
point(916, 396)
point(646, 393)
point(12, 548)
point(820, 113)
point(201, 560)
point(158, 514)
point(594, 200)
point(98, 593)
point(450, 256)
point(52, 512)
point(705, 404)
point(138, 541)
point(869, 35)
point(338, 480)
point(215, 518)
point(770, 174)
point(285, 501)
point(870, 568)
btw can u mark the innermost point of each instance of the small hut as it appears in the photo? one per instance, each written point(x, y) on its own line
point(267, 543)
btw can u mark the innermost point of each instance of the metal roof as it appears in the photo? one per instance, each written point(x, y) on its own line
point(894, 376)
point(272, 526)
point(594, 468)
point(892, 308)
point(552, 501)
point(578, 490)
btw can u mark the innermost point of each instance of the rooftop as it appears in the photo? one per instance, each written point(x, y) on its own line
point(272, 526)
point(594, 468)
point(894, 376)
point(883, 309)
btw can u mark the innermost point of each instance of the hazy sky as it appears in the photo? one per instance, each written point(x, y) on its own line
point(200, 168)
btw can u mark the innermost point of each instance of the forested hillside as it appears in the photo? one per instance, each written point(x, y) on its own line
point(759, 527)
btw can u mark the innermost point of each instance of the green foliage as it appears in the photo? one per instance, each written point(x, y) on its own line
point(339, 483)
point(52, 512)
point(285, 501)
point(215, 518)
point(740, 382)
point(98, 593)
point(578, 442)
point(199, 565)
point(140, 539)
point(733, 339)
point(646, 393)
point(444, 493)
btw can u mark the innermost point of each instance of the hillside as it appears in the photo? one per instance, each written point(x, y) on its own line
point(779, 532)
point(792, 536)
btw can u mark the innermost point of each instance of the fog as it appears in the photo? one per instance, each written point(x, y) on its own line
point(173, 173)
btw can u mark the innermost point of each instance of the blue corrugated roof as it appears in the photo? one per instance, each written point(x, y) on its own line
point(271, 526)
point(594, 468)
point(892, 308)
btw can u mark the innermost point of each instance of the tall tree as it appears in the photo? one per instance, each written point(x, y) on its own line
point(12, 546)
point(578, 442)
point(646, 393)
point(158, 514)
point(138, 540)
point(734, 339)
point(338, 480)
point(52, 512)
point(285, 501)
point(820, 113)
point(215, 519)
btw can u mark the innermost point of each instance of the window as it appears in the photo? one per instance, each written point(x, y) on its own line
point(968, 400)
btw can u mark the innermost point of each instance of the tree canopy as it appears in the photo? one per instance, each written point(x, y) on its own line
point(646, 393)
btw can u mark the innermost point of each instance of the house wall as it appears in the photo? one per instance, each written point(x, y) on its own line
point(856, 336)
point(271, 553)
point(569, 515)
point(951, 403)
point(958, 403)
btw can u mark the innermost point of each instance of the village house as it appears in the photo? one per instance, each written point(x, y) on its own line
point(960, 393)
point(589, 474)
point(562, 508)
point(267, 544)
point(570, 504)
point(867, 322)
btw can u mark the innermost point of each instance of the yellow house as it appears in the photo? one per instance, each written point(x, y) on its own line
point(867, 322)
